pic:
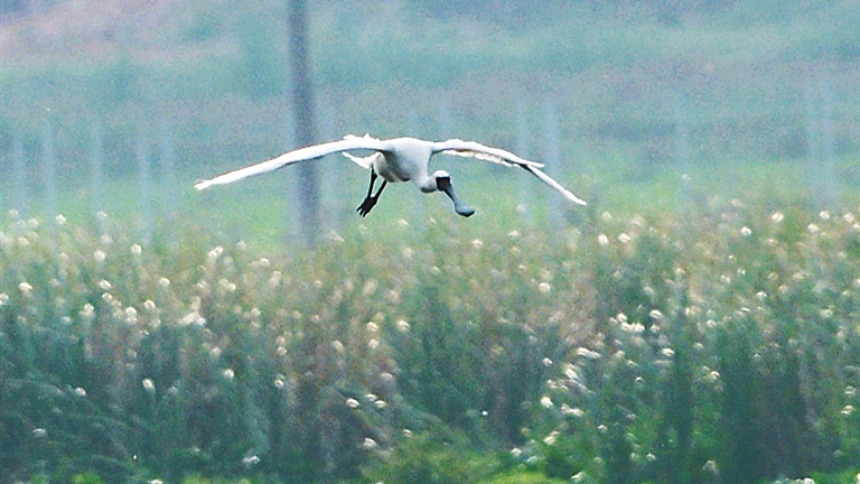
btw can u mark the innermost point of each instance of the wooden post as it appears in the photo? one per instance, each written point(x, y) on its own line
point(145, 183)
point(819, 143)
point(49, 170)
point(553, 162)
point(19, 174)
point(524, 204)
point(419, 210)
point(96, 176)
point(332, 170)
point(170, 187)
point(443, 119)
point(682, 149)
point(828, 142)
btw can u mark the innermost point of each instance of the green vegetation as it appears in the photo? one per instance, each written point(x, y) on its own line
point(724, 345)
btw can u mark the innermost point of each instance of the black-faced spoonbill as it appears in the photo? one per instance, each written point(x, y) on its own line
point(398, 160)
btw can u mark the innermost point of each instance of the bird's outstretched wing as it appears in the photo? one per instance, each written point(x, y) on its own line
point(365, 162)
point(551, 182)
point(301, 154)
point(496, 155)
point(472, 149)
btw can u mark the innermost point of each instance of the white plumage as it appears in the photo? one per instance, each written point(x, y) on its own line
point(397, 160)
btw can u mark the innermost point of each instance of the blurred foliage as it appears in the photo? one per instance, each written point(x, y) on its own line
point(723, 346)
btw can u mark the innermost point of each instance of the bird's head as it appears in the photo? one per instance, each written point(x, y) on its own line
point(435, 182)
point(443, 184)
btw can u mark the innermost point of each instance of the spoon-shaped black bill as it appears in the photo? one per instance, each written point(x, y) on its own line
point(444, 184)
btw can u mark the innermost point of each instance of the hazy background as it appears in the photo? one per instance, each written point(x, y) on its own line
point(622, 98)
point(696, 322)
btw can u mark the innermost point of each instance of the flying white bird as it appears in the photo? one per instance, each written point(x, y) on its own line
point(397, 160)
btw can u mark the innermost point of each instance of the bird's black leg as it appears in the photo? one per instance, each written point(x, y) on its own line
point(444, 184)
point(373, 176)
point(369, 201)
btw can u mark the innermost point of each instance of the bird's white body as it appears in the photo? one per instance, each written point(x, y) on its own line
point(397, 160)
point(405, 162)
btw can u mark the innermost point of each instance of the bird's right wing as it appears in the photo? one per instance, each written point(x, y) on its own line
point(365, 162)
point(301, 154)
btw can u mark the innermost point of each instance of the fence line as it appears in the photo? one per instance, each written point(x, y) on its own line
point(820, 141)
point(537, 135)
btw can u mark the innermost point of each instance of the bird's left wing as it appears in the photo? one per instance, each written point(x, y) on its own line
point(556, 185)
point(497, 155)
point(301, 154)
point(473, 149)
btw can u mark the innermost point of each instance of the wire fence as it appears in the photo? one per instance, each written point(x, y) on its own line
point(40, 177)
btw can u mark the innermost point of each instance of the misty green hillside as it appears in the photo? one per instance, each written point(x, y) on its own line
point(696, 322)
point(618, 74)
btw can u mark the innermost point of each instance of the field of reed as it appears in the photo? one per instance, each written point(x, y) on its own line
point(720, 345)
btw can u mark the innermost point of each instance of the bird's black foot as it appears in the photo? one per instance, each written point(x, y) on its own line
point(370, 201)
point(366, 206)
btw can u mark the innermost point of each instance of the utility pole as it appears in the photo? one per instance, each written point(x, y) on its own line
point(304, 119)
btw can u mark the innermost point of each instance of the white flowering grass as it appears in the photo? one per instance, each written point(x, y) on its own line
point(632, 343)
